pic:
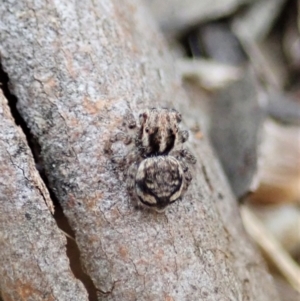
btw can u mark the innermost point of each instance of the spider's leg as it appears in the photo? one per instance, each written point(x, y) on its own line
point(183, 154)
point(188, 156)
point(183, 136)
point(131, 181)
point(129, 120)
point(187, 174)
point(131, 173)
point(133, 156)
point(119, 161)
point(122, 136)
point(185, 158)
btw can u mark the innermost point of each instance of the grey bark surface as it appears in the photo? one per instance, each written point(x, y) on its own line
point(77, 67)
point(33, 260)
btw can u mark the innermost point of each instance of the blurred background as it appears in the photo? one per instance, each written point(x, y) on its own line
point(240, 63)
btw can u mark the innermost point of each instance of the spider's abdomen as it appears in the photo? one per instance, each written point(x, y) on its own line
point(159, 181)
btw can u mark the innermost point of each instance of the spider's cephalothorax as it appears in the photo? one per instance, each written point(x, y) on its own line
point(158, 170)
point(159, 132)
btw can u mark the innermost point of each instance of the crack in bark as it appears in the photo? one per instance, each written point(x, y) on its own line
point(49, 205)
point(32, 144)
point(206, 177)
point(109, 292)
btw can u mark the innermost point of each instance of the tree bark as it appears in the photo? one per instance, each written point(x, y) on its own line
point(77, 68)
point(33, 260)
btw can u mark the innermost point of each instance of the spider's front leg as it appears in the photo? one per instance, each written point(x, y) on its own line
point(121, 161)
point(124, 134)
point(118, 158)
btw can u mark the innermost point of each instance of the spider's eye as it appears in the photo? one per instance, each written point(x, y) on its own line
point(147, 130)
point(143, 115)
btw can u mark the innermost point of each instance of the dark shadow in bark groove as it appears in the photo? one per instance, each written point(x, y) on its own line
point(61, 220)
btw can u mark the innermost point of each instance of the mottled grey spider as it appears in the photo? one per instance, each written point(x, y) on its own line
point(158, 170)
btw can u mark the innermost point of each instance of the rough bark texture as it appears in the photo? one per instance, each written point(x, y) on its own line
point(33, 261)
point(76, 68)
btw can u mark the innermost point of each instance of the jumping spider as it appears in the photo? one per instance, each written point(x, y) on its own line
point(158, 173)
